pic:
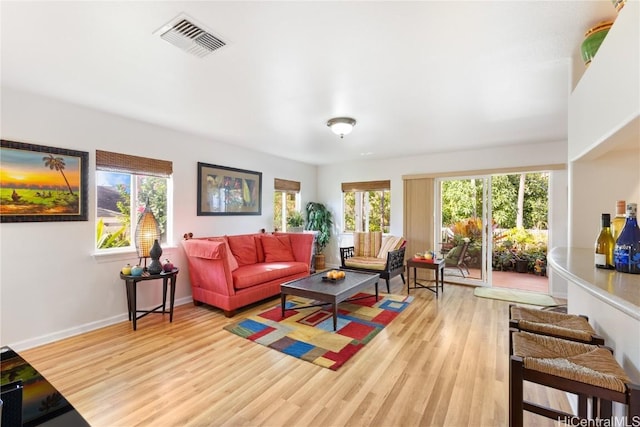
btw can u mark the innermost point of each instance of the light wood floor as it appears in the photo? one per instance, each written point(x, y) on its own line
point(442, 362)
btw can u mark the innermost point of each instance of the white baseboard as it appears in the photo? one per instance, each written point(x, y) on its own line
point(77, 330)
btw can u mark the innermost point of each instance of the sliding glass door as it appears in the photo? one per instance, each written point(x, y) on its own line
point(463, 207)
point(489, 228)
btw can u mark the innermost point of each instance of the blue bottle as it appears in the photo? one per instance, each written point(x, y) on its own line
point(626, 254)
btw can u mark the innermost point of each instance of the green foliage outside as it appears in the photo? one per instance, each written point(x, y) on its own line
point(349, 209)
point(295, 219)
point(277, 207)
point(154, 190)
point(462, 210)
point(462, 199)
point(519, 244)
point(379, 210)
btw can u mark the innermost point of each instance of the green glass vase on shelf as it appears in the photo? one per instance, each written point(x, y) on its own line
point(593, 39)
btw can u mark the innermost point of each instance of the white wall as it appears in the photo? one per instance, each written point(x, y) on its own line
point(559, 230)
point(597, 185)
point(51, 285)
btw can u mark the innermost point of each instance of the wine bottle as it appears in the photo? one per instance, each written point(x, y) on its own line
point(627, 250)
point(605, 244)
point(617, 224)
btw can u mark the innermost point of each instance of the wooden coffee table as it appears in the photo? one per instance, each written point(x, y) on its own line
point(328, 292)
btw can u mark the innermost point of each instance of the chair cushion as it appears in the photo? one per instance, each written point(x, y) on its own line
point(389, 243)
point(369, 263)
point(277, 249)
point(548, 322)
point(243, 248)
point(367, 243)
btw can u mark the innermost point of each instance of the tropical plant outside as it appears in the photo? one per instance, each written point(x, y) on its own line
point(295, 219)
point(372, 209)
point(519, 223)
point(290, 201)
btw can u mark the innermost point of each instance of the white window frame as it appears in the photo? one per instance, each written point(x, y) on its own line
point(134, 166)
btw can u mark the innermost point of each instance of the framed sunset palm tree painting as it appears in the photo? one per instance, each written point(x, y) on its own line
point(40, 183)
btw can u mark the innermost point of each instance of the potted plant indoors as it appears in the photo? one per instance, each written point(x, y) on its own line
point(319, 219)
point(295, 222)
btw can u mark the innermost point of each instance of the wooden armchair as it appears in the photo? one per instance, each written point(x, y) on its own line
point(374, 254)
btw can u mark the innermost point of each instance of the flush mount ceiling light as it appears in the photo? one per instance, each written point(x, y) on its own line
point(341, 125)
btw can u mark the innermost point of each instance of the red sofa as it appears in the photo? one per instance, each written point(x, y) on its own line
point(230, 272)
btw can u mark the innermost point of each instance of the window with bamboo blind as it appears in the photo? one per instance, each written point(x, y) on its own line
point(367, 206)
point(286, 204)
point(125, 184)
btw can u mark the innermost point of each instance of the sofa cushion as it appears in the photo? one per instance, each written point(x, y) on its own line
point(277, 248)
point(390, 243)
point(233, 263)
point(367, 243)
point(255, 274)
point(369, 263)
point(243, 248)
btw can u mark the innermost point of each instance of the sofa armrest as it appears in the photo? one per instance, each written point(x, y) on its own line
point(346, 253)
point(209, 267)
point(395, 259)
point(203, 248)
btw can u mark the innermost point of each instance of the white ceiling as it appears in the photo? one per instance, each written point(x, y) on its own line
point(419, 77)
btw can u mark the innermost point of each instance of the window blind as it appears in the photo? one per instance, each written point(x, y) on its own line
point(366, 186)
point(117, 162)
point(286, 185)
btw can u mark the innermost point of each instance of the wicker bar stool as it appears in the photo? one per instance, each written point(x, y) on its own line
point(560, 325)
point(589, 371)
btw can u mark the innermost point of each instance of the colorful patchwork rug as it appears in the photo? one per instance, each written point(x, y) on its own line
point(307, 333)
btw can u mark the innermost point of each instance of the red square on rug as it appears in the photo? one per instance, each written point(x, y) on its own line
point(315, 318)
point(275, 314)
point(385, 317)
point(357, 331)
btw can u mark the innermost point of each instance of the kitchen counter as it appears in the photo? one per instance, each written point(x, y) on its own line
point(619, 290)
point(610, 299)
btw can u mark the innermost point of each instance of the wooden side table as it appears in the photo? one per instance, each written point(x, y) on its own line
point(436, 264)
point(131, 283)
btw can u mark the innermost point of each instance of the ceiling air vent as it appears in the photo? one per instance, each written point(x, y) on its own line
point(182, 32)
